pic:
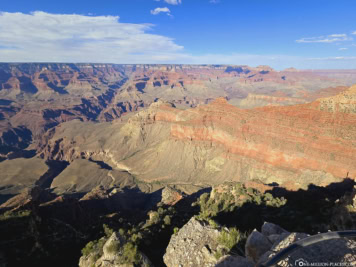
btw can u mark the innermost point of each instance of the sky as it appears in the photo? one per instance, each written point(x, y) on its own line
point(305, 34)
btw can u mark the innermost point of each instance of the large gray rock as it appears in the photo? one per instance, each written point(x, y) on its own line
point(282, 241)
point(256, 245)
point(272, 229)
point(195, 244)
point(335, 251)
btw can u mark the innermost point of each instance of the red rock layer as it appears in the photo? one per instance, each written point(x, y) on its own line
point(294, 138)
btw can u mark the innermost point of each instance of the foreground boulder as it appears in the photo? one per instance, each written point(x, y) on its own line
point(196, 244)
point(261, 247)
point(199, 244)
point(256, 245)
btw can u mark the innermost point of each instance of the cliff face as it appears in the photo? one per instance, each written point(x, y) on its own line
point(36, 97)
point(299, 138)
point(292, 146)
point(344, 102)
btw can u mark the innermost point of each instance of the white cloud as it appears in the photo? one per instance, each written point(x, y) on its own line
point(325, 39)
point(171, 2)
point(343, 48)
point(41, 36)
point(44, 37)
point(214, 1)
point(334, 58)
point(341, 35)
point(158, 10)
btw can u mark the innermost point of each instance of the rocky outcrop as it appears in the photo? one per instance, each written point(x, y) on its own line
point(39, 96)
point(170, 195)
point(196, 244)
point(344, 102)
point(115, 252)
point(345, 212)
point(185, 250)
point(256, 245)
point(292, 146)
point(262, 246)
point(254, 100)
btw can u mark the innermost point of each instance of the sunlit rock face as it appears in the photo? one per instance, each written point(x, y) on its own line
point(35, 97)
point(289, 145)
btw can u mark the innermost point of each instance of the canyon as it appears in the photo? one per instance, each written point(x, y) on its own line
point(93, 144)
point(194, 125)
point(289, 145)
point(37, 97)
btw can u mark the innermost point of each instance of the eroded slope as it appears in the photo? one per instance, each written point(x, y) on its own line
point(292, 146)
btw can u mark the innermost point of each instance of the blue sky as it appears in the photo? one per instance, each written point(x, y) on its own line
point(280, 33)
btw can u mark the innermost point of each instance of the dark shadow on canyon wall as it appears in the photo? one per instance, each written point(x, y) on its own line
point(60, 226)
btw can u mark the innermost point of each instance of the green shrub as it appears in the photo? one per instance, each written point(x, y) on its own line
point(250, 191)
point(268, 196)
point(94, 246)
point(129, 254)
point(257, 199)
point(175, 230)
point(231, 201)
point(113, 247)
point(14, 214)
point(108, 231)
point(218, 255)
point(160, 211)
point(135, 238)
point(167, 220)
point(213, 224)
point(154, 217)
point(88, 248)
point(122, 232)
point(229, 238)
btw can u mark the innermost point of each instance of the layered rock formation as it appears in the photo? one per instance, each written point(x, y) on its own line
point(119, 141)
point(344, 102)
point(36, 97)
point(292, 145)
